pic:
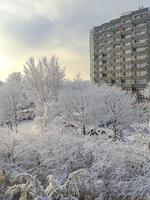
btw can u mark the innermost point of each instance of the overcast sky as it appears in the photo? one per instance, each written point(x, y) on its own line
point(46, 27)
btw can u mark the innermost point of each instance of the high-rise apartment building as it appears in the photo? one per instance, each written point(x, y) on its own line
point(120, 51)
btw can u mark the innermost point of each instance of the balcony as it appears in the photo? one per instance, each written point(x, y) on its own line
point(139, 19)
point(139, 26)
point(139, 44)
point(141, 65)
point(138, 33)
point(141, 49)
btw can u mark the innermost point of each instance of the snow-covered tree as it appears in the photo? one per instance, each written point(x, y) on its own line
point(117, 109)
point(82, 105)
point(95, 166)
point(44, 78)
point(111, 107)
point(79, 104)
point(11, 99)
point(87, 166)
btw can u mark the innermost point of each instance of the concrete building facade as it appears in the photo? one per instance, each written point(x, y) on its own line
point(120, 51)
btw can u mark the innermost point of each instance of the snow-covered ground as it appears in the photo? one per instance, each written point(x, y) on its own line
point(23, 127)
point(26, 125)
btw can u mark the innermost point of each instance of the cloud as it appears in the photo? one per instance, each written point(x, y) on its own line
point(37, 22)
point(33, 32)
point(37, 27)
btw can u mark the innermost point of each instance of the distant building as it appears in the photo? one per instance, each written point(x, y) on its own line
point(120, 51)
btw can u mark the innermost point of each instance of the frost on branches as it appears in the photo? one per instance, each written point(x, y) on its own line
point(12, 98)
point(82, 106)
point(78, 186)
point(86, 142)
point(44, 79)
point(105, 169)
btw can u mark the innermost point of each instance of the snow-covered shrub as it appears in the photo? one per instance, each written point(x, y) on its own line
point(4, 181)
point(25, 187)
point(7, 146)
point(62, 150)
point(112, 169)
point(74, 147)
point(42, 198)
point(53, 190)
point(77, 184)
point(123, 166)
point(69, 198)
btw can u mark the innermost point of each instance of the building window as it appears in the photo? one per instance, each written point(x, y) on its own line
point(127, 51)
point(122, 36)
point(128, 81)
point(104, 55)
point(142, 41)
point(117, 60)
point(142, 81)
point(127, 28)
point(134, 49)
point(128, 59)
point(127, 44)
point(141, 73)
point(113, 81)
point(141, 49)
point(118, 74)
point(118, 67)
point(142, 57)
point(128, 73)
point(122, 81)
point(104, 61)
point(142, 65)
point(104, 75)
point(128, 36)
point(134, 57)
point(128, 66)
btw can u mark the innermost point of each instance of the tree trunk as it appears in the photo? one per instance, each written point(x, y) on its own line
point(116, 136)
point(10, 125)
point(84, 129)
point(16, 122)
